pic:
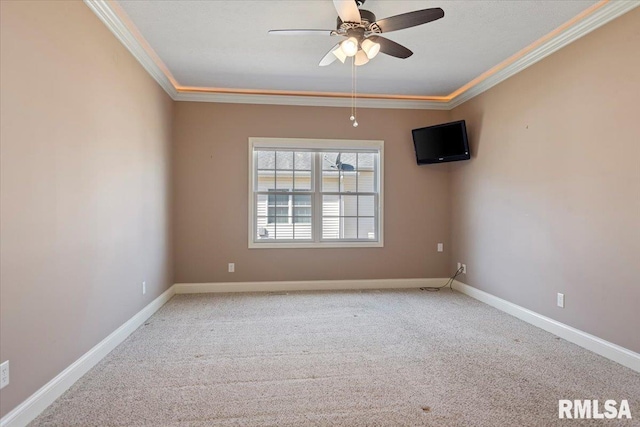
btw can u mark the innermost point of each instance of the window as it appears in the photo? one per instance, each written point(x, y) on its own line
point(315, 193)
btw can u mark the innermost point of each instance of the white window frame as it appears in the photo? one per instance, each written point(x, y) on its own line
point(317, 145)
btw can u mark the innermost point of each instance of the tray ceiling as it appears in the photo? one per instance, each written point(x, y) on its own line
point(224, 44)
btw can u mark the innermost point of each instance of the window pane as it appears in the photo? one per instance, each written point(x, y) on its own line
point(278, 206)
point(366, 228)
point(302, 208)
point(331, 228)
point(348, 182)
point(279, 200)
point(261, 205)
point(366, 205)
point(263, 229)
point(340, 228)
point(284, 160)
point(302, 211)
point(278, 215)
point(281, 211)
point(266, 159)
point(330, 205)
point(329, 161)
point(302, 231)
point(284, 180)
point(302, 200)
point(303, 161)
point(350, 228)
point(302, 180)
point(266, 180)
point(347, 161)
point(366, 182)
point(331, 181)
point(284, 229)
point(302, 219)
point(365, 161)
point(349, 206)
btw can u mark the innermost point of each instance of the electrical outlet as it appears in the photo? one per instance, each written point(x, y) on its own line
point(4, 374)
point(459, 265)
point(440, 247)
point(464, 268)
point(232, 267)
point(560, 301)
point(144, 288)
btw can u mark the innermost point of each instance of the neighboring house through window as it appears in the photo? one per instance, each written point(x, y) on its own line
point(286, 209)
point(315, 193)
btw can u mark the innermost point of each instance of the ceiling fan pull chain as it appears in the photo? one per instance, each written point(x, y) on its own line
point(355, 92)
point(352, 118)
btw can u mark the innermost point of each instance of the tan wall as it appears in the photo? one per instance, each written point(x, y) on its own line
point(85, 144)
point(211, 180)
point(550, 201)
point(543, 207)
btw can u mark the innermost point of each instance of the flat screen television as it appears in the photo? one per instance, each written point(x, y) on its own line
point(441, 143)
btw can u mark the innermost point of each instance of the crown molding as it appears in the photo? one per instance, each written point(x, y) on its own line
point(310, 101)
point(602, 15)
point(112, 20)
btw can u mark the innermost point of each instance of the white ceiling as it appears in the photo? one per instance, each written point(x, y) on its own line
point(224, 44)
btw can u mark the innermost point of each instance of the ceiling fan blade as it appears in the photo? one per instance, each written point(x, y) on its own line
point(347, 10)
point(302, 32)
point(329, 57)
point(391, 48)
point(410, 19)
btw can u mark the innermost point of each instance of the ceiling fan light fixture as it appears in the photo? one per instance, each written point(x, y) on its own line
point(371, 48)
point(361, 58)
point(349, 46)
point(338, 53)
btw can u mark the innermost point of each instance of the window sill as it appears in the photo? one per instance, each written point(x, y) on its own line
point(315, 245)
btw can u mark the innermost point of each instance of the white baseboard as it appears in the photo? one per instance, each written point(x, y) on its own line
point(611, 351)
point(310, 285)
point(28, 410)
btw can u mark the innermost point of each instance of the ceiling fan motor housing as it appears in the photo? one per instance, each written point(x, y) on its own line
point(367, 17)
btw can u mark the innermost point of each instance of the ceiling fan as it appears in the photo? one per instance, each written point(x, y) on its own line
point(362, 32)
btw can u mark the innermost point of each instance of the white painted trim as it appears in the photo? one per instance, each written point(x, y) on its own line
point(103, 10)
point(324, 244)
point(316, 145)
point(606, 13)
point(600, 17)
point(312, 101)
point(611, 351)
point(309, 285)
point(28, 410)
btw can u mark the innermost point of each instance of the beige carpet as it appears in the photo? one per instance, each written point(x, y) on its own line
point(361, 358)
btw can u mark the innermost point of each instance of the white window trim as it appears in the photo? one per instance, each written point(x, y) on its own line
point(317, 144)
